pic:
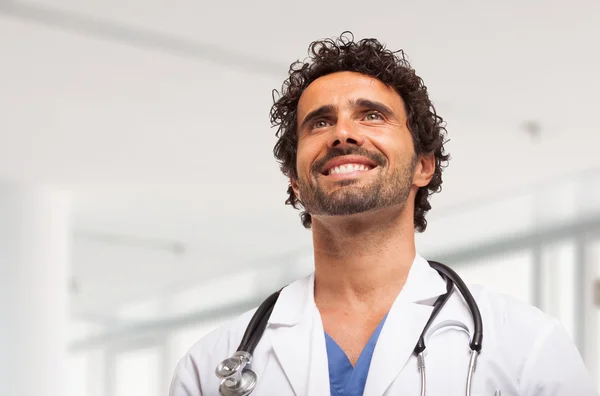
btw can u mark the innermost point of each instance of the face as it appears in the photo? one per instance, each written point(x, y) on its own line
point(355, 153)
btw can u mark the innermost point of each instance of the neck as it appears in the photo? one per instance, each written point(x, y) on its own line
point(362, 261)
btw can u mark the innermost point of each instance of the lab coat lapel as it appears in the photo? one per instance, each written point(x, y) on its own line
point(403, 326)
point(299, 341)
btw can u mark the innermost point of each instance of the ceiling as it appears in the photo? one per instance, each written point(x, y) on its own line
point(154, 115)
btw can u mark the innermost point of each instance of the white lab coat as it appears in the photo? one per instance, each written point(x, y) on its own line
point(524, 353)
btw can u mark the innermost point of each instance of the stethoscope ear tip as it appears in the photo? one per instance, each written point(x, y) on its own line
point(476, 346)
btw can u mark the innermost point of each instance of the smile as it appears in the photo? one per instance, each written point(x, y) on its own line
point(348, 168)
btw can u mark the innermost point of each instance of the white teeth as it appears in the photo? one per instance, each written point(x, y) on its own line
point(348, 168)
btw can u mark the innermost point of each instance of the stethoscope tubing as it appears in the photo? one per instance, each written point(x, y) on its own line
point(257, 325)
point(477, 340)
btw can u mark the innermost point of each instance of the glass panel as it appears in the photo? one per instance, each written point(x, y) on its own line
point(558, 282)
point(595, 261)
point(137, 373)
point(77, 378)
point(96, 372)
point(86, 376)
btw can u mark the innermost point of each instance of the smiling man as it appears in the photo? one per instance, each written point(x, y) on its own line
point(339, 173)
point(363, 148)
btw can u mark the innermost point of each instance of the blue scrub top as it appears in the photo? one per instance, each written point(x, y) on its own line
point(345, 380)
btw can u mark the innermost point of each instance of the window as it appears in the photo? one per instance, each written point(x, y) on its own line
point(78, 380)
point(137, 373)
point(595, 322)
point(86, 373)
point(558, 282)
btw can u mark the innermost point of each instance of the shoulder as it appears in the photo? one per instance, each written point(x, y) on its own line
point(196, 370)
point(198, 365)
point(225, 338)
point(512, 323)
point(507, 312)
point(511, 327)
point(533, 347)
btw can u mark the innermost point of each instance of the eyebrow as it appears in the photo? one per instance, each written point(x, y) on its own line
point(320, 112)
point(360, 103)
point(372, 105)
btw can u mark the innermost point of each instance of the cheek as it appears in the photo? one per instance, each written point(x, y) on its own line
point(306, 155)
point(396, 148)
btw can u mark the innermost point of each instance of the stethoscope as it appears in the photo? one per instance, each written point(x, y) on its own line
point(237, 380)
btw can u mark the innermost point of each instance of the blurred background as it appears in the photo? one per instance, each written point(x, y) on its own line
point(141, 206)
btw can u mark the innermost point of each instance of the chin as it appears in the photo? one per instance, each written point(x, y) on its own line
point(348, 193)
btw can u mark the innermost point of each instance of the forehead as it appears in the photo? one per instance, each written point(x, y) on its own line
point(338, 88)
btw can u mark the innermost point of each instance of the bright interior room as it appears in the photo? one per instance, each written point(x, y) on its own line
point(140, 131)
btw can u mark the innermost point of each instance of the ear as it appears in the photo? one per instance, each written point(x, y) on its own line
point(294, 185)
point(424, 170)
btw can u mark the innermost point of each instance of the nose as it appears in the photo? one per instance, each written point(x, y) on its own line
point(345, 134)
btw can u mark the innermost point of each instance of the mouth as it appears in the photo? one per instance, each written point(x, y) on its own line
point(343, 167)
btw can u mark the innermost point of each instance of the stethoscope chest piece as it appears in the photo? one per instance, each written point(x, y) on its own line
point(236, 380)
point(243, 388)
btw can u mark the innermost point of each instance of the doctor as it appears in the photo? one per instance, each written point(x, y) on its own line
point(363, 149)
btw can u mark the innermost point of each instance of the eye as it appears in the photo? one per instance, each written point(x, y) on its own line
point(373, 116)
point(320, 124)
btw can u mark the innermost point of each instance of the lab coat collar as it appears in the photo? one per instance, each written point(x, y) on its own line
point(299, 337)
point(403, 326)
point(423, 285)
point(294, 302)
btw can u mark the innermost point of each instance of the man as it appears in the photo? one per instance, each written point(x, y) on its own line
point(363, 149)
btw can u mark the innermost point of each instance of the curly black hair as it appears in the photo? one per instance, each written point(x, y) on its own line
point(369, 57)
